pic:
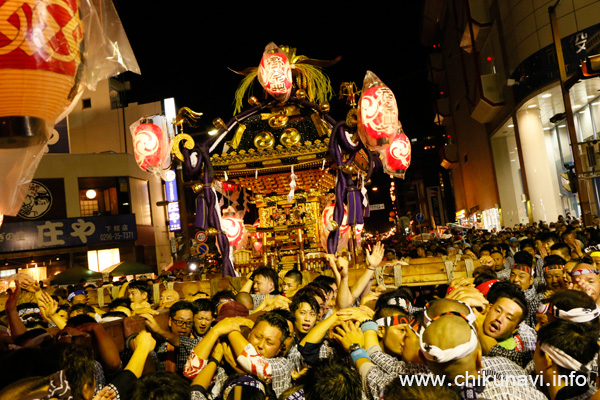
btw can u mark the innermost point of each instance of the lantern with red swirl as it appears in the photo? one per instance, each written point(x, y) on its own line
point(378, 114)
point(396, 158)
point(234, 229)
point(328, 225)
point(150, 144)
point(275, 73)
point(40, 59)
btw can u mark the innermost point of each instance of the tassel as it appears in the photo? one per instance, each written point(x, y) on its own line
point(355, 212)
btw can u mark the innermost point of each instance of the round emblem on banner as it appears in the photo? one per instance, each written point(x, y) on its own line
point(200, 236)
point(38, 201)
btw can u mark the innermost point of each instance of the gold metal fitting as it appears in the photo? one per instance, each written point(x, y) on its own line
point(219, 123)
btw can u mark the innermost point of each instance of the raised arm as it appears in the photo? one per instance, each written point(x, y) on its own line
point(373, 261)
point(144, 343)
point(16, 325)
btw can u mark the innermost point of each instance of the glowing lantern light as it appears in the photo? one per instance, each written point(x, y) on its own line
point(39, 68)
point(396, 157)
point(40, 78)
point(275, 73)
point(151, 144)
point(1, 219)
point(328, 225)
point(327, 217)
point(234, 229)
point(378, 114)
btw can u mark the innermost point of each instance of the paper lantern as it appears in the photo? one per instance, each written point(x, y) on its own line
point(234, 229)
point(396, 157)
point(378, 114)
point(151, 144)
point(275, 73)
point(327, 217)
point(40, 67)
point(327, 225)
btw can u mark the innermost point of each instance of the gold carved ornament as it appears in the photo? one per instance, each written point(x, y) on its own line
point(264, 140)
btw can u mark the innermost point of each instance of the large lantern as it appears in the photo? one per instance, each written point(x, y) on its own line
point(151, 144)
point(275, 73)
point(40, 58)
point(234, 229)
point(329, 225)
point(378, 113)
point(396, 157)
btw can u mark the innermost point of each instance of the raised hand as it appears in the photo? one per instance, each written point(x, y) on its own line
point(348, 333)
point(374, 258)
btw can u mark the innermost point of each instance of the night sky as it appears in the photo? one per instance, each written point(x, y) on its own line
point(184, 50)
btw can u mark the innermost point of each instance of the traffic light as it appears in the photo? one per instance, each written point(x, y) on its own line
point(590, 67)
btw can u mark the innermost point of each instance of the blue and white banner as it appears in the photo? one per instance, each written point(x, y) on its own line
point(37, 235)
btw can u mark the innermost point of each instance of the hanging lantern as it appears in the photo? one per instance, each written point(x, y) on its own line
point(378, 114)
point(396, 158)
point(41, 66)
point(234, 229)
point(327, 219)
point(275, 73)
point(1, 219)
point(40, 70)
point(151, 144)
point(329, 225)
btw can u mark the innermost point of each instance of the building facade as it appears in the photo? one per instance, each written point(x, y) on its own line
point(89, 203)
point(502, 106)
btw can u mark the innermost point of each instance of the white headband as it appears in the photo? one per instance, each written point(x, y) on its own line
point(577, 315)
point(434, 353)
point(563, 359)
point(401, 302)
point(470, 317)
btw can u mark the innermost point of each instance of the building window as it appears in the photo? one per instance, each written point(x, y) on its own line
point(104, 196)
point(89, 208)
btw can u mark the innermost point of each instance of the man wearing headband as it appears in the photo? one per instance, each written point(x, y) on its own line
point(573, 306)
point(363, 338)
point(450, 348)
point(522, 275)
point(501, 264)
point(501, 333)
point(585, 277)
point(554, 267)
point(562, 359)
point(260, 354)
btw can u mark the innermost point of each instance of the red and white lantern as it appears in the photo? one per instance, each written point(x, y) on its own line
point(396, 157)
point(234, 229)
point(275, 73)
point(378, 113)
point(151, 144)
point(40, 58)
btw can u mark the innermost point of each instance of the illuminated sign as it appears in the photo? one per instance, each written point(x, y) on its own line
point(174, 218)
point(35, 235)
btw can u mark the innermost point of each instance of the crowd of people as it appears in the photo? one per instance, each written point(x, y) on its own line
point(524, 326)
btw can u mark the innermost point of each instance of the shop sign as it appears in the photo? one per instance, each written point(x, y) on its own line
point(37, 235)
